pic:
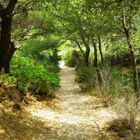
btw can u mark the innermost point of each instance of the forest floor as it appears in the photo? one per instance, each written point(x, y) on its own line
point(72, 115)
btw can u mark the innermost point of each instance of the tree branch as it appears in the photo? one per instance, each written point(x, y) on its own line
point(77, 43)
point(79, 46)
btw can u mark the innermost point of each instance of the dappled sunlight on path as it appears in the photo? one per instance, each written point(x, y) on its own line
point(72, 115)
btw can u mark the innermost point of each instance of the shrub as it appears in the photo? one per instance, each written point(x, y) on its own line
point(72, 58)
point(43, 82)
point(43, 52)
point(86, 77)
point(109, 87)
point(33, 77)
point(105, 81)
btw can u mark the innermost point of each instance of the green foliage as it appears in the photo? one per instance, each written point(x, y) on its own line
point(32, 77)
point(111, 84)
point(72, 58)
point(43, 52)
point(7, 79)
point(80, 23)
point(119, 55)
point(86, 77)
point(34, 68)
point(123, 75)
point(106, 81)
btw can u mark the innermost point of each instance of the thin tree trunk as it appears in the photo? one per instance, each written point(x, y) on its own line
point(133, 61)
point(79, 46)
point(134, 66)
point(86, 56)
point(95, 61)
point(85, 42)
point(77, 43)
point(100, 50)
point(132, 54)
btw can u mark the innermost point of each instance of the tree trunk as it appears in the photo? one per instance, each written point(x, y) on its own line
point(133, 61)
point(134, 66)
point(11, 52)
point(7, 68)
point(132, 54)
point(95, 61)
point(100, 51)
point(79, 46)
point(85, 42)
point(5, 38)
point(86, 56)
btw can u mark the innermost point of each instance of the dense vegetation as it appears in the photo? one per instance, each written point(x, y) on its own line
point(99, 38)
point(109, 35)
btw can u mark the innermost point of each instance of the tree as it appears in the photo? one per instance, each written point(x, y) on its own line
point(72, 26)
point(7, 48)
point(126, 14)
point(9, 10)
point(127, 19)
point(118, 21)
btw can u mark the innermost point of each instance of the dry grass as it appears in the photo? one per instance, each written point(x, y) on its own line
point(127, 125)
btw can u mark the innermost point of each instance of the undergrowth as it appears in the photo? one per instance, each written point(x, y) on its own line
point(114, 88)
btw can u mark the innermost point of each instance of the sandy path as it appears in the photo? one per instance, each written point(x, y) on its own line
point(72, 115)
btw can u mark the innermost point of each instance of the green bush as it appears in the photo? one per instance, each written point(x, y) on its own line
point(33, 77)
point(86, 77)
point(35, 67)
point(108, 82)
point(72, 58)
point(123, 75)
point(119, 55)
point(43, 52)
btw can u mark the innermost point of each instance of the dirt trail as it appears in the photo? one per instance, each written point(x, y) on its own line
point(72, 115)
